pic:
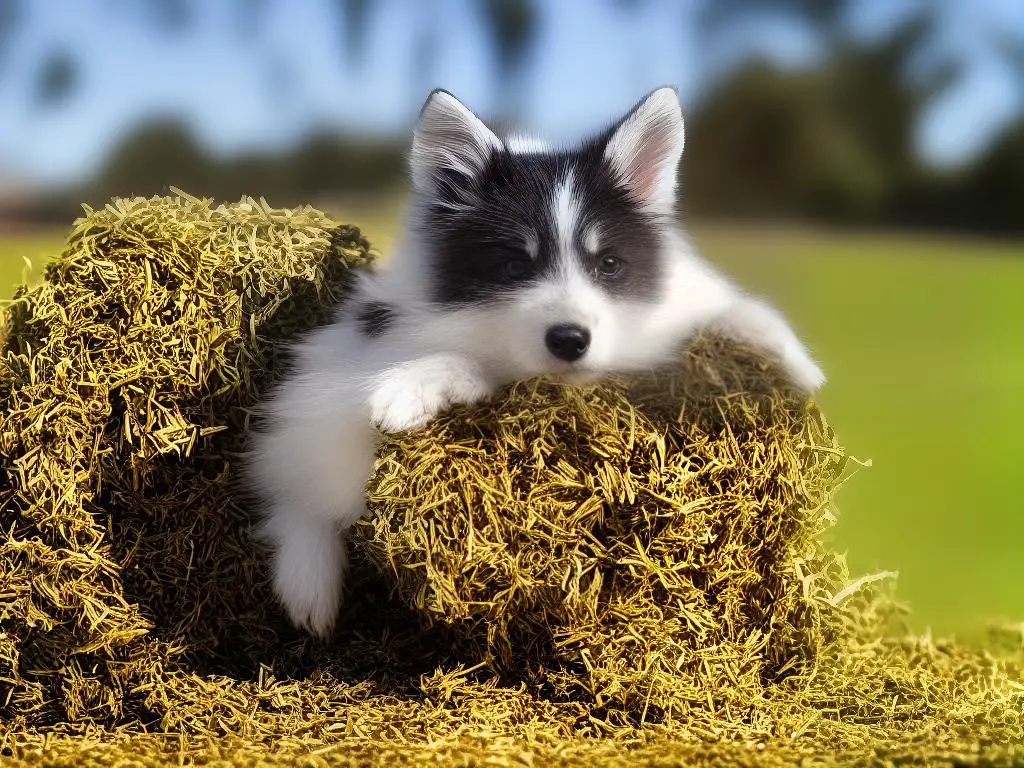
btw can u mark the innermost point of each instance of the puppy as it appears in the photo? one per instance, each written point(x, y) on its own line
point(515, 260)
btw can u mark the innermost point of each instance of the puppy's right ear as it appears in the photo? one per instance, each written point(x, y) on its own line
point(449, 139)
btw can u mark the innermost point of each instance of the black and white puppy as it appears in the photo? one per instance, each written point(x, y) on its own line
point(516, 260)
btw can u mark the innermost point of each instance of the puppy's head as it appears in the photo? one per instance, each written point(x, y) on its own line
point(550, 260)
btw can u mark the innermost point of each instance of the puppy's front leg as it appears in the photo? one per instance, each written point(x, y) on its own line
point(755, 322)
point(408, 395)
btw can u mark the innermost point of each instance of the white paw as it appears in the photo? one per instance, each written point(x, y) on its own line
point(803, 371)
point(410, 395)
point(760, 325)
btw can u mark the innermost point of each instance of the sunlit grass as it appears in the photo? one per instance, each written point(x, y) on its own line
point(922, 337)
point(22, 256)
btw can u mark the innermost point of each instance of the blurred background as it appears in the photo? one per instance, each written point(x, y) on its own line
point(860, 163)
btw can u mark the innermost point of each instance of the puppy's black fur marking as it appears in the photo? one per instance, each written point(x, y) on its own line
point(375, 318)
point(513, 202)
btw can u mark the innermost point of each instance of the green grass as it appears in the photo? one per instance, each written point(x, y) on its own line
point(36, 247)
point(923, 341)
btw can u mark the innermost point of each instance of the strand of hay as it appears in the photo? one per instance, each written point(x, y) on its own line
point(622, 575)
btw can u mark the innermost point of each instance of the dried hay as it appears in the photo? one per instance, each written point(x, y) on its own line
point(620, 575)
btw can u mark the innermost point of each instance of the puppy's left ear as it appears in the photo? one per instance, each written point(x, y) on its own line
point(645, 148)
point(449, 138)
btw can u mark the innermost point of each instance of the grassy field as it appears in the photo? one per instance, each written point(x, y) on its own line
point(16, 248)
point(923, 341)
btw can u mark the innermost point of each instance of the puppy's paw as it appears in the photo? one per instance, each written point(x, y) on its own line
point(410, 395)
point(754, 322)
point(802, 370)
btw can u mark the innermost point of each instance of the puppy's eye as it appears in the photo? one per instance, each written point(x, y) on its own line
point(609, 266)
point(517, 266)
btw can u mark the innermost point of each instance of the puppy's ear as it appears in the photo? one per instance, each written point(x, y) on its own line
point(645, 148)
point(449, 139)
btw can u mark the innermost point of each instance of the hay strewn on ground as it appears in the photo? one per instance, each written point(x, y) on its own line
point(630, 574)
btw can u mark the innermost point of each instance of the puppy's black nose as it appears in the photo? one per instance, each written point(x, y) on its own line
point(567, 342)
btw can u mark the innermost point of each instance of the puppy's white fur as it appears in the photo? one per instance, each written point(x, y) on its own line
point(313, 456)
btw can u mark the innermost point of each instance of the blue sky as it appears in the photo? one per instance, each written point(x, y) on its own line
point(591, 61)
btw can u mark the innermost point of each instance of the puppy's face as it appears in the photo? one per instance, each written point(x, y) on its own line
point(549, 261)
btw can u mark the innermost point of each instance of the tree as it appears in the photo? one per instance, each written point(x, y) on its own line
point(764, 143)
point(151, 158)
point(512, 26)
point(56, 79)
point(425, 52)
point(824, 16)
point(871, 90)
point(11, 12)
point(836, 141)
point(993, 191)
point(355, 19)
point(173, 17)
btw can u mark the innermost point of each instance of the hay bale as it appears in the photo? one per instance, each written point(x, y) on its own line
point(125, 380)
point(630, 573)
point(652, 545)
